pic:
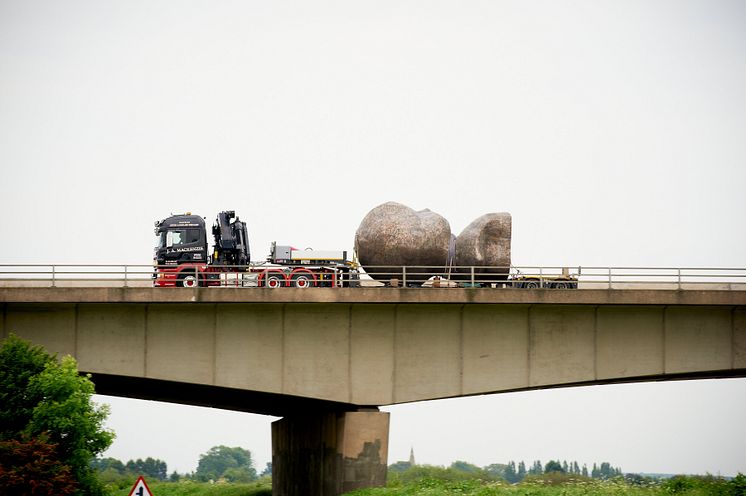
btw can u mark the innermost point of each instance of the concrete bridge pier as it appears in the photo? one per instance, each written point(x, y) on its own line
point(329, 453)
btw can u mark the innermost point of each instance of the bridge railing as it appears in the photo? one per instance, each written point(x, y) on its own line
point(556, 277)
point(75, 275)
point(521, 277)
point(663, 278)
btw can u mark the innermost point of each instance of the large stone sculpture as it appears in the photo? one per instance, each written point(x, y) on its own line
point(393, 235)
point(485, 242)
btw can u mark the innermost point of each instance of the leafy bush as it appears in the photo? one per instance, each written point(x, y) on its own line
point(697, 485)
point(738, 485)
point(429, 474)
point(33, 466)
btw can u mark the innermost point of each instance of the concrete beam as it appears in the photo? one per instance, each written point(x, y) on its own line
point(374, 295)
point(629, 344)
point(377, 354)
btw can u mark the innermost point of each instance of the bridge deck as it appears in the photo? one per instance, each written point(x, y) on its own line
point(374, 295)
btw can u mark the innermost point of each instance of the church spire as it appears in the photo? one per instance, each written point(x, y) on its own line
point(411, 457)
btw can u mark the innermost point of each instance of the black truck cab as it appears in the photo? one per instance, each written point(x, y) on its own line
point(180, 239)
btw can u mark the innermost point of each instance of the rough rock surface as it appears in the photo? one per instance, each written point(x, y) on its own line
point(392, 235)
point(486, 241)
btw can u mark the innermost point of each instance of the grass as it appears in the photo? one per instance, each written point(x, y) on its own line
point(445, 482)
point(560, 485)
point(485, 488)
point(190, 488)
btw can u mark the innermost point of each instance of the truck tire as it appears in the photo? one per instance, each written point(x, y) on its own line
point(531, 284)
point(187, 280)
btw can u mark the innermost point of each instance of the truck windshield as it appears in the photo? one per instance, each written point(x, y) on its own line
point(177, 237)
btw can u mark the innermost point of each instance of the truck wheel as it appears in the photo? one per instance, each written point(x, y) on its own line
point(531, 284)
point(302, 280)
point(188, 281)
point(274, 280)
point(560, 285)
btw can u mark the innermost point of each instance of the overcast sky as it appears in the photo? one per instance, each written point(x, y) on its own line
point(614, 132)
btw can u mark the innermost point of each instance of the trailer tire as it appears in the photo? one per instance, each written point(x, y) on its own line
point(274, 280)
point(302, 280)
point(560, 285)
point(531, 284)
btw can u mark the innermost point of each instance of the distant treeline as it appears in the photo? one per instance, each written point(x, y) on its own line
point(111, 469)
point(516, 473)
point(220, 463)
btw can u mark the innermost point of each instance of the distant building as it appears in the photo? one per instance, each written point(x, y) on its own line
point(403, 466)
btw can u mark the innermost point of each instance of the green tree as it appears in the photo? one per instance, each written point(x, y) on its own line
point(151, 467)
point(510, 473)
point(496, 470)
point(536, 468)
point(219, 459)
point(521, 471)
point(19, 363)
point(400, 466)
point(465, 467)
point(45, 400)
point(109, 470)
point(606, 471)
point(102, 464)
point(553, 466)
point(239, 474)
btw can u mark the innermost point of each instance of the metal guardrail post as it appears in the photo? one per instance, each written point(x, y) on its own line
point(541, 277)
point(404, 276)
point(678, 273)
point(125, 276)
point(473, 281)
point(609, 277)
point(54, 282)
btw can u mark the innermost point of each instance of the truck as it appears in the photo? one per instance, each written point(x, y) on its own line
point(181, 258)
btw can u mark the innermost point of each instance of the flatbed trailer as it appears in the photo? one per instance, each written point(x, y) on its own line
point(534, 281)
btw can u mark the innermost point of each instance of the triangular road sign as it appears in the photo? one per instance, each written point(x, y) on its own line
point(140, 488)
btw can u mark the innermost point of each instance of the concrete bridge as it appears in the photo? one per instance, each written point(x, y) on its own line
point(324, 359)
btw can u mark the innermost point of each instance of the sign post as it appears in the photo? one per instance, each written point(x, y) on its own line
point(140, 488)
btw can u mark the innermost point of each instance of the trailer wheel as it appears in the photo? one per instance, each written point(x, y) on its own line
point(531, 284)
point(274, 280)
point(560, 285)
point(302, 280)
